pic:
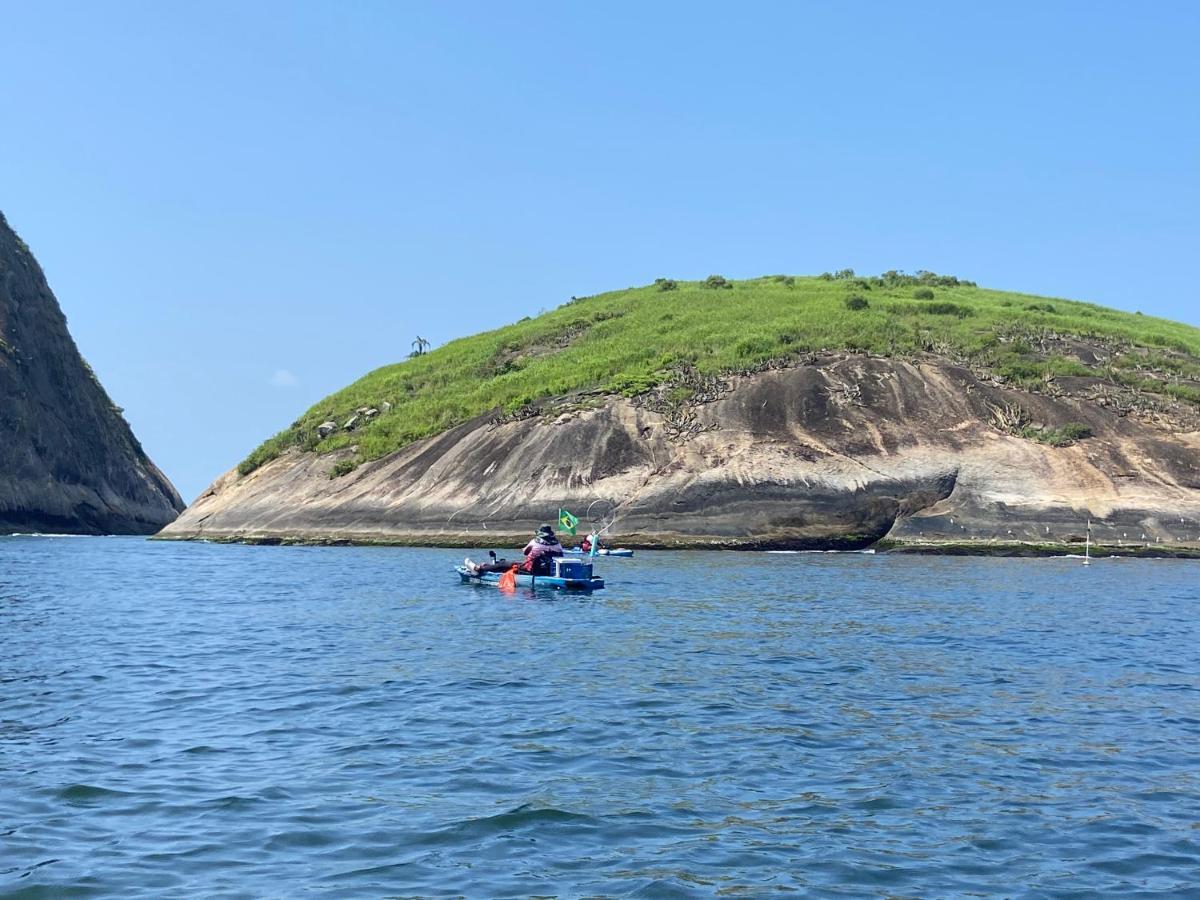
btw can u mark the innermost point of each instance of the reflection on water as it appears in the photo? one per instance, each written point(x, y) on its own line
point(276, 721)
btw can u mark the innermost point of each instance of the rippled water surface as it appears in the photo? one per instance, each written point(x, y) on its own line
point(222, 720)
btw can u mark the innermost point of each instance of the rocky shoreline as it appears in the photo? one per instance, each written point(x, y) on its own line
point(501, 541)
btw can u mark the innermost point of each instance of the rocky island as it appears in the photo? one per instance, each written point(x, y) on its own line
point(69, 462)
point(785, 412)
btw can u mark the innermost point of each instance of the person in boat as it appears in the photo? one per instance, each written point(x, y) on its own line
point(539, 551)
point(538, 555)
point(589, 541)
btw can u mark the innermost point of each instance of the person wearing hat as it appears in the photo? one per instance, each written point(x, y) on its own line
point(538, 553)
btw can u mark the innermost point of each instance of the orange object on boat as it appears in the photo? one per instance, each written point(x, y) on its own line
point(508, 581)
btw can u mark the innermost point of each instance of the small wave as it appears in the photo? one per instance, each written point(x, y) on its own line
point(46, 534)
point(79, 793)
point(524, 816)
point(876, 803)
point(527, 814)
point(30, 870)
point(370, 871)
point(232, 802)
point(302, 839)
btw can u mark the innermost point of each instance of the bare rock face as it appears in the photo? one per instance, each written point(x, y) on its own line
point(839, 453)
point(68, 461)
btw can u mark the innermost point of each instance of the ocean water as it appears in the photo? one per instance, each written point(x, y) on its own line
point(200, 720)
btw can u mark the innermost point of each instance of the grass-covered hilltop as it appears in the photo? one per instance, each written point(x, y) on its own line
point(784, 412)
point(672, 333)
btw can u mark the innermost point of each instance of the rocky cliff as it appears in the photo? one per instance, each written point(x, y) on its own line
point(838, 450)
point(68, 461)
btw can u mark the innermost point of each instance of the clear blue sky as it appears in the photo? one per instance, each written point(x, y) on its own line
point(244, 206)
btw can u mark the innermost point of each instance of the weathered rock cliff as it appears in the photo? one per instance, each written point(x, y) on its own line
point(841, 452)
point(68, 461)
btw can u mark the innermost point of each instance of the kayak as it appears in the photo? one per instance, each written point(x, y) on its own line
point(549, 582)
point(604, 551)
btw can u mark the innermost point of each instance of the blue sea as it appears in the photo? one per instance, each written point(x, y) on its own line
point(181, 720)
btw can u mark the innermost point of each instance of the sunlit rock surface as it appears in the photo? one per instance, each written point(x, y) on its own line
point(840, 453)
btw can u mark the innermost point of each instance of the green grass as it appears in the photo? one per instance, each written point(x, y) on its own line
point(1058, 437)
point(627, 341)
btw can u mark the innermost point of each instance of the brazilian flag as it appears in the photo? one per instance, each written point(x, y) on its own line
point(567, 522)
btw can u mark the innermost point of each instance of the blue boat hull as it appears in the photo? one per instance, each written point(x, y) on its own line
point(548, 582)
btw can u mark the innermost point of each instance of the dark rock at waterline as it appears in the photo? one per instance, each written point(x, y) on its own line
point(69, 462)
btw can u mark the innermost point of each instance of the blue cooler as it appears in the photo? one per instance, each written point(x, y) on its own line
point(572, 568)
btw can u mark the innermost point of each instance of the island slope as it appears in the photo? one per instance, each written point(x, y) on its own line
point(69, 462)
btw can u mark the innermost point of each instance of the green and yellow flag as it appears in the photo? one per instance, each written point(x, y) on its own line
point(567, 522)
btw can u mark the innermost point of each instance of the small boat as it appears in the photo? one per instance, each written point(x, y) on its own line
point(567, 575)
point(604, 551)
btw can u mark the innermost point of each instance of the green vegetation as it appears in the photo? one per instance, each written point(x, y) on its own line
point(629, 341)
point(946, 308)
point(1058, 437)
point(342, 467)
